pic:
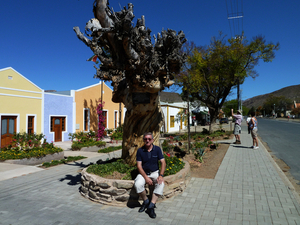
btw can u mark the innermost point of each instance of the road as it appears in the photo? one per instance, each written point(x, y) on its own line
point(283, 138)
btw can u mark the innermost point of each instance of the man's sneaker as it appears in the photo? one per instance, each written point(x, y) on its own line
point(151, 213)
point(252, 146)
point(256, 147)
point(237, 142)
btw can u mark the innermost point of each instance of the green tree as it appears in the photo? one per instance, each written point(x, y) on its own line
point(212, 71)
point(233, 104)
point(280, 103)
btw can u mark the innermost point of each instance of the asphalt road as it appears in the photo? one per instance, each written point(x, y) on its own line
point(283, 138)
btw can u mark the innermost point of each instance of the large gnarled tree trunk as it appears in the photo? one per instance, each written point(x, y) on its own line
point(138, 69)
point(140, 118)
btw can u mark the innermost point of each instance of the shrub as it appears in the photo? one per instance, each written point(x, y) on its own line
point(27, 146)
point(117, 134)
point(82, 139)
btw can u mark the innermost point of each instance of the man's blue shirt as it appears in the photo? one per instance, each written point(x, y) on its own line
point(149, 159)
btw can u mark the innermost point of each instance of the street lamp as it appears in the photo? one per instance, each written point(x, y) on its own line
point(274, 110)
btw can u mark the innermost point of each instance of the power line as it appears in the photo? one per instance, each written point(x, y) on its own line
point(235, 16)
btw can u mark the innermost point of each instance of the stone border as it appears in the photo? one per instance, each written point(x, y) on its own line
point(121, 192)
point(37, 161)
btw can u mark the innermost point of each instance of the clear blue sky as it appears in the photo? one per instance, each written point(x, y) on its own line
point(38, 40)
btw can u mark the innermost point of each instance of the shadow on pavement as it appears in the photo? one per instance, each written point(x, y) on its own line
point(73, 180)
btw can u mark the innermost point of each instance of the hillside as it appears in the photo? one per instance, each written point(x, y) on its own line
point(291, 92)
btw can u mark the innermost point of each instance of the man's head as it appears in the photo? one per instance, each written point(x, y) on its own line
point(239, 112)
point(148, 139)
point(252, 113)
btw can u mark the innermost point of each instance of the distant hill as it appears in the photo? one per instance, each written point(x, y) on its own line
point(291, 92)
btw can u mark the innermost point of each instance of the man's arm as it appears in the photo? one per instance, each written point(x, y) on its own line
point(232, 112)
point(142, 172)
point(160, 178)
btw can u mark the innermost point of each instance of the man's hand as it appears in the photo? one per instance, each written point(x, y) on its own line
point(148, 180)
point(160, 180)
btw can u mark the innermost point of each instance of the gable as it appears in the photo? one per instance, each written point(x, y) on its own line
point(11, 79)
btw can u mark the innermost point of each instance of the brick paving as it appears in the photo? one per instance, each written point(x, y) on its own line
point(248, 189)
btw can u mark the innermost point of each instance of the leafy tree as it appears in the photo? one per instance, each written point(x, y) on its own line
point(295, 111)
point(280, 103)
point(233, 104)
point(212, 71)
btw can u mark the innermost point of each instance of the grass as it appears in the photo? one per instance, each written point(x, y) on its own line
point(62, 161)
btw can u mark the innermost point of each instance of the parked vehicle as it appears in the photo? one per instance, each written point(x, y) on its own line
point(224, 120)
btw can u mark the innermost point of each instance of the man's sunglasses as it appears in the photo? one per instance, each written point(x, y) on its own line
point(147, 139)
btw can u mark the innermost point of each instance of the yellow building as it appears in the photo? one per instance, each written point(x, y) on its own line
point(21, 105)
point(86, 108)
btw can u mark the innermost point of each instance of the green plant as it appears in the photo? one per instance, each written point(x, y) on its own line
point(109, 167)
point(110, 149)
point(78, 145)
point(83, 139)
point(173, 165)
point(26, 145)
point(199, 153)
point(62, 161)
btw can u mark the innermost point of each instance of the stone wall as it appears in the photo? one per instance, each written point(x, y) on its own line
point(121, 192)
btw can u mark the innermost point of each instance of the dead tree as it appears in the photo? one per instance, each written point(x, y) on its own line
point(138, 68)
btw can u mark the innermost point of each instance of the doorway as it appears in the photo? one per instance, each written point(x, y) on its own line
point(57, 126)
point(8, 128)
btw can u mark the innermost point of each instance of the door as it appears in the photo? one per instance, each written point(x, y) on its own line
point(57, 126)
point(8, 128)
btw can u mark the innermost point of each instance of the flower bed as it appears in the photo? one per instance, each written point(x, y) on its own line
point(82, 141)
point(122, 192)
point(30, 149)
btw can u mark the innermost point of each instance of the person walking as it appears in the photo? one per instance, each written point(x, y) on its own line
point(253, 127)
point(147, 158)
point(237, 126)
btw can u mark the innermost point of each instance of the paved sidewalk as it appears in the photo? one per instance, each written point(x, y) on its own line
point(247, 189)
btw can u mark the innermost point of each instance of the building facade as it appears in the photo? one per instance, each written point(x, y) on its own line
point(21, 105)
point(87, 100)
point(59, 116)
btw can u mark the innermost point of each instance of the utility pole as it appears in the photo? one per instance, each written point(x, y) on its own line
point(235, 17)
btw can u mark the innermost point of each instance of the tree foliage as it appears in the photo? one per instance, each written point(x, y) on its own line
point(212, 71)
point(233, 104)
point(279, 103)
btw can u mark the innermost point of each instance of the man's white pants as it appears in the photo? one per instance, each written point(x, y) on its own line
point(140, 182)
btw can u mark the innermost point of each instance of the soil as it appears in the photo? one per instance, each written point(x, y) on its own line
point(211, 162)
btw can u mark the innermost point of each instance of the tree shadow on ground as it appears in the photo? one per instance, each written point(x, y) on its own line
point(73, 180)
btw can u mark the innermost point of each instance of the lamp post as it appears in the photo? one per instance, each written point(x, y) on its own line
point(274, 111)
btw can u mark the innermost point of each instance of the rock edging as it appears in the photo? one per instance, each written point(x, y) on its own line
point(120, 192)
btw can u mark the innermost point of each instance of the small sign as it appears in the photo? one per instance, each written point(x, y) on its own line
point(77, 126)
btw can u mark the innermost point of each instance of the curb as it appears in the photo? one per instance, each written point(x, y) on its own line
point(284, 178)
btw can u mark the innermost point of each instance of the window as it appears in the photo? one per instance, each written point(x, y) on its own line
point(116, 119)
point(30, 122)
point(86, 116)
point(172, 121)
point(104, 113)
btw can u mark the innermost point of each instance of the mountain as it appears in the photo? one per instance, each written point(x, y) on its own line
point(291, 92)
